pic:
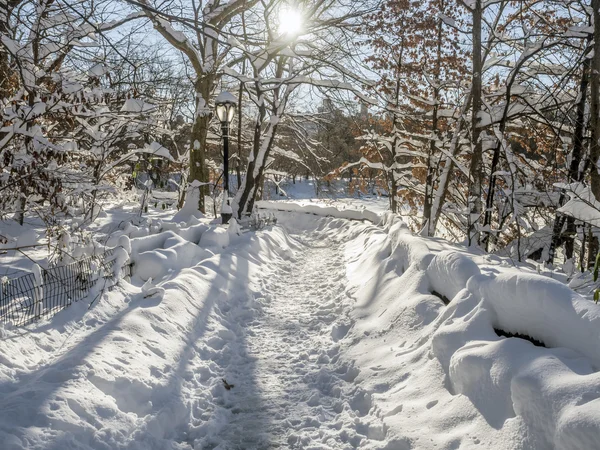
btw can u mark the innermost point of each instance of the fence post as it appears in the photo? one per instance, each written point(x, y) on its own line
point(38, 291)
point(3, 281)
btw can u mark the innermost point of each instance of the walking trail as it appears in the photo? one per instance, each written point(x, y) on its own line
point(291, 388)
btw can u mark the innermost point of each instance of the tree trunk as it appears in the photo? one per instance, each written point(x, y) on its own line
point(444, 180)
point(582, 252)
point(593, 248)
point(595, 104)
point(238, 174)
point(239, 131)
point(428, 200)
point(475, 170)
point(394, 189)
point(198, 170)
point(574, 173)
point(569, 238)
point(246, 196)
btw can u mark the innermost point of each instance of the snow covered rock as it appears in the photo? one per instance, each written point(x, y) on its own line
point(190, 207)
point(542, 308)
point(176, 254)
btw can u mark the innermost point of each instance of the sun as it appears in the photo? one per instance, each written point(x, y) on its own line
point(290, 21)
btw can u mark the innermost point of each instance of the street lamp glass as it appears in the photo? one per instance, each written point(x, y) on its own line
point(230, 112)
point(225, 105)
point(222, 112)
point(225, 112)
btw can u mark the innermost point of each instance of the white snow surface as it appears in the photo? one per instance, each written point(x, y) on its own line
point(582, 204)
point(329, 332)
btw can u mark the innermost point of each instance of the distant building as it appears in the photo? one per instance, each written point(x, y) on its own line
point(364, 110)
point(326, 107)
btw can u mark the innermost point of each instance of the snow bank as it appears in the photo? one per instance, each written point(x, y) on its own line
point(534, 397)
point(449, 272)
point(522, 301)
point(409, 248)
point(551, 391)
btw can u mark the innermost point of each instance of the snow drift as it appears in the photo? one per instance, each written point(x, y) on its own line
point(528, 396)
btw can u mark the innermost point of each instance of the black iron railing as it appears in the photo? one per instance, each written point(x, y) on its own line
point(28, 298)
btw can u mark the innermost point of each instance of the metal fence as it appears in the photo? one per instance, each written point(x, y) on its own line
point(24, 300)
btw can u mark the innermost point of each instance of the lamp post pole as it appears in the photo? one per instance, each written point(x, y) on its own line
point(226, 208)
point(225, 130)
point(225, 106)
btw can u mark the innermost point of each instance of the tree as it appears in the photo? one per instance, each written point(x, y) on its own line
point(281, 63)
point(203, 41)
point(419, 62)
point(56, 108)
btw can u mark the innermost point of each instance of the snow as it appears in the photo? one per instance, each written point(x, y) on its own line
point(303, 192)
point(319, 332)
point(157, 150)
point(582, 204)
point(149, 290)
point(215, 238)
point(318, 210)
point(449, 272)
point(447, 20)
point(190, 207)
point(226, 97)
point(98, 70)
point(157, 255)
point(137, 105)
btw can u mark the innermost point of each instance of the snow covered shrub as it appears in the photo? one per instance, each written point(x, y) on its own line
point(69, 137)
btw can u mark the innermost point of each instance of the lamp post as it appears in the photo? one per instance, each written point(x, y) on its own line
point(225, 105)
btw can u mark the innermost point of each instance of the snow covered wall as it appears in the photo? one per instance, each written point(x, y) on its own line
point(318, 210)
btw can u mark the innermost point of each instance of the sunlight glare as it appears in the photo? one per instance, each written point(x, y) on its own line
point(290, 21)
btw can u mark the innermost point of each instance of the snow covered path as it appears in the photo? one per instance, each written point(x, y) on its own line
point(291, 389)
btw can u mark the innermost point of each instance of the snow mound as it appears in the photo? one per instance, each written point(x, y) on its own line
point(449, 272)
point(215, 238)
point(170, 252)
point(190, 209)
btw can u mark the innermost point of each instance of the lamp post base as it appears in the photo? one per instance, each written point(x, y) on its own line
point(226, 217)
